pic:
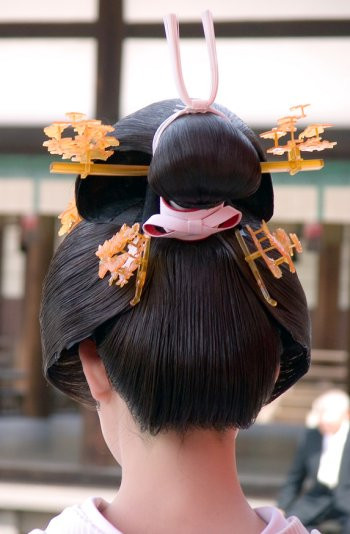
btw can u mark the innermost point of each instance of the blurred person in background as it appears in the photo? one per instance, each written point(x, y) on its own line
point(318, 484)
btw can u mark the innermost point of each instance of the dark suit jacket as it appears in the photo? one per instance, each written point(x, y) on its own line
point(303, 495)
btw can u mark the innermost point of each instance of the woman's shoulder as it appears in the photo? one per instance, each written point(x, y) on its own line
point(85, 517)
point(276, 523)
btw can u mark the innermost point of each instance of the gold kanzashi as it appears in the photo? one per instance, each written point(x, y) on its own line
point(307, 141)
point(264, 241)
point(123, 254)
point(90, 143)
point(69, 218)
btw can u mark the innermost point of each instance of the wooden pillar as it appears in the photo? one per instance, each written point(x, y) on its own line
point(110, 33)
point(347, 236)
point(2, 226)
point(348, 351)
point(110, 30)
point(38, 241)
point(326, 316)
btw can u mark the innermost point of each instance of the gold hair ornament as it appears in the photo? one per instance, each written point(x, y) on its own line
point(307, 141)
point(264, 241)
point(128, 250)
point(69, 218)
point(123, 254)
point(90, 142)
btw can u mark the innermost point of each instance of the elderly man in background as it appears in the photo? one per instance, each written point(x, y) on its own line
point(318, 485)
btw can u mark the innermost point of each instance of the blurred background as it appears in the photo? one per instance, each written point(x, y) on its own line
point(107, 58)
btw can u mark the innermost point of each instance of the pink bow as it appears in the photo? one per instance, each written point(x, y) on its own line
point(191, 225)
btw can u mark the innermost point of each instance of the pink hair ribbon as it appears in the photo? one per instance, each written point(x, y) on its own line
point(191, 225)
point(191, 105)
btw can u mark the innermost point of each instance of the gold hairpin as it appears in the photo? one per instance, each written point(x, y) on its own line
point(307, 141)
point(90, 142)
point(265, 241)
point(69, 218)
point(123, 254)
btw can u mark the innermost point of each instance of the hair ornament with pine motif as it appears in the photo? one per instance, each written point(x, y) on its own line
point(92, 143)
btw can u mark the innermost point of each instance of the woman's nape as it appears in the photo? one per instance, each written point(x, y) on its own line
point(177, 482)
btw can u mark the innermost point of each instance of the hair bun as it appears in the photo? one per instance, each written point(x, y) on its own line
point(203, 159)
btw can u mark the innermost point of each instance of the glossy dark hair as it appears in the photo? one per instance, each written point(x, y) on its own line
point(202, 347)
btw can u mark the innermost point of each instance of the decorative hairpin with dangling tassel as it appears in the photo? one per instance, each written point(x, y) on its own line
point(265, 241)
point(308, 140)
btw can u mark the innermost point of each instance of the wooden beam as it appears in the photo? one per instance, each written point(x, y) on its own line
point(223, 29)
point(47, 30)
point(22, 139)
point(249, 29)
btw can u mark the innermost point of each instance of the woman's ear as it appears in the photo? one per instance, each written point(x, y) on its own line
point(94, 370)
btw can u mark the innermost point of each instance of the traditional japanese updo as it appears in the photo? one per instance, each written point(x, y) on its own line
point(202, 348)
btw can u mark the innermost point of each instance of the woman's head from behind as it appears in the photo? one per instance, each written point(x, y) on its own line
point(201, 349)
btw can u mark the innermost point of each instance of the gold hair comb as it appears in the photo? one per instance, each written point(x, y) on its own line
point(69, 218)
point(90, 142)
point(307, 141)
point(265, 241)
point(123, 254)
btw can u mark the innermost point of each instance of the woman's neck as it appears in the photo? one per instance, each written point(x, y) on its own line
point(189, 485)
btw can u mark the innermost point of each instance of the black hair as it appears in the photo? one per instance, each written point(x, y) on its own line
point(102, 198)
point(191, 144)
point(202, 347)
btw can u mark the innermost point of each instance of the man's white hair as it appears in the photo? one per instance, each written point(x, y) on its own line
point(333, 404)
